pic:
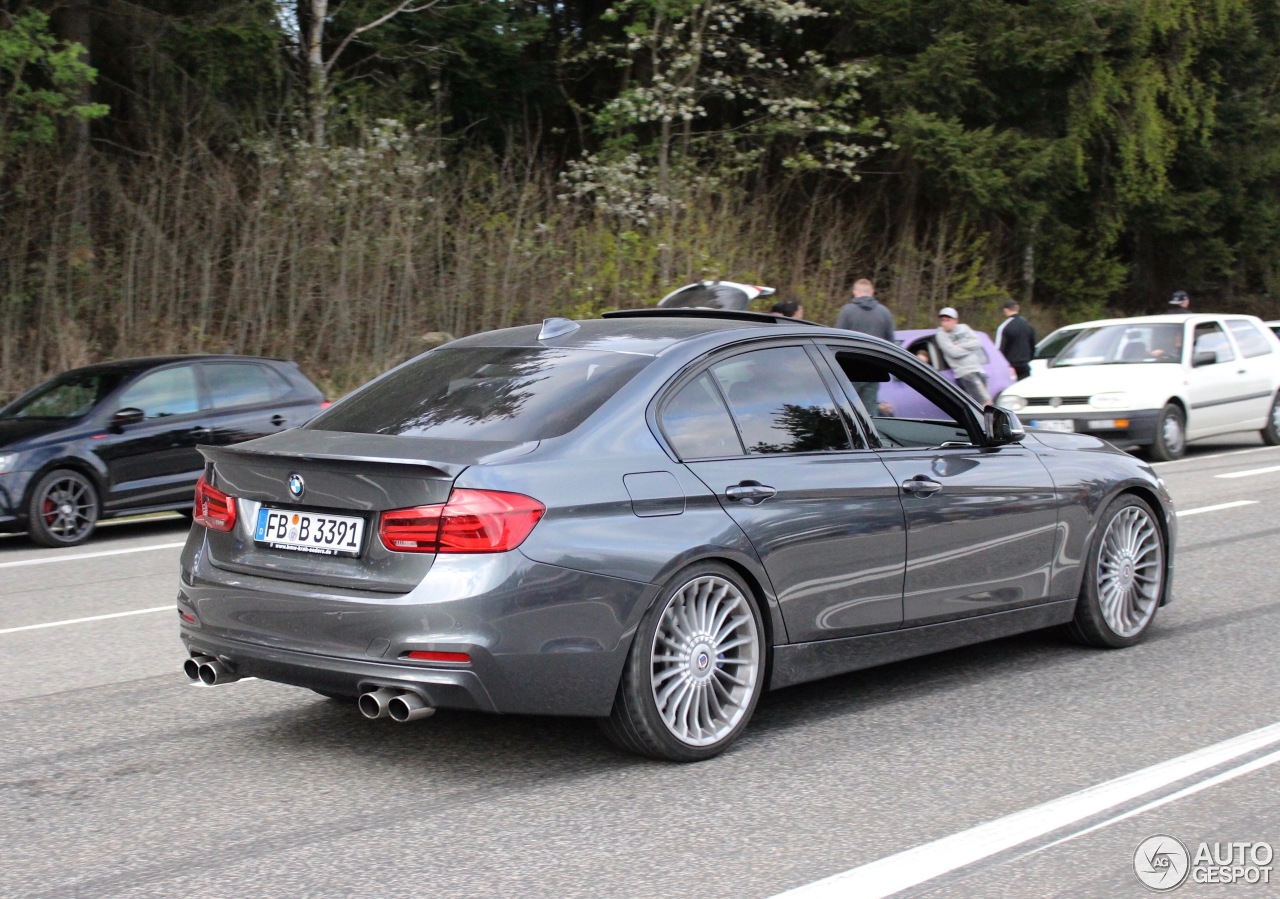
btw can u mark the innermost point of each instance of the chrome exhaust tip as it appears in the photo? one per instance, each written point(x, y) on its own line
point(214, 672)
point(191, 667)
point(373, 705)
point(409, 707)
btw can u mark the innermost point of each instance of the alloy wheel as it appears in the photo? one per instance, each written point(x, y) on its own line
point(69, 508)
point(1130, 571)
point(705, 661)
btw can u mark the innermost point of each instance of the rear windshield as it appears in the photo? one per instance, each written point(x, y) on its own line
point(485, 393)
point(67, 396)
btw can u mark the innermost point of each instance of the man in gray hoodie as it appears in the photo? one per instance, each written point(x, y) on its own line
point(865, 314)
point(962, 350)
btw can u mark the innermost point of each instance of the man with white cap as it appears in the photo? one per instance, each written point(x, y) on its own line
point(962, 350)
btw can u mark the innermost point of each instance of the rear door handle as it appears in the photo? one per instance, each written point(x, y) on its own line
point(278, 419)
point(921, 486)
point(749, 492)
point(201, 431)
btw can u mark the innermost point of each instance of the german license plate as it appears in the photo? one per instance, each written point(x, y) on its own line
point(1055, 424)
point(309, 532)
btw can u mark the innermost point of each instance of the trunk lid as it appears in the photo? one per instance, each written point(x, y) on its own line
point(337, 478)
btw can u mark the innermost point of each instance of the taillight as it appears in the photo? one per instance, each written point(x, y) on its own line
point(472, 521)
point(214, 509)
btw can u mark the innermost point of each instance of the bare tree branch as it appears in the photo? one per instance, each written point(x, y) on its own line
point(405, 7)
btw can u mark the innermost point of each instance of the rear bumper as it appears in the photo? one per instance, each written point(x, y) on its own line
point(541, 639)
point(1127, 428)
point(454, 689)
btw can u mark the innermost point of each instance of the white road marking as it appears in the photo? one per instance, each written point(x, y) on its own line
point(1252, 471)
point(1247, 768)
point(1218, 508)
point(108, 552)
point(1222, 455)
point(36, 627)
point(923, 863)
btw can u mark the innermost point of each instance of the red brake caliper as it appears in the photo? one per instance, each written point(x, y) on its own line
point(49, 513)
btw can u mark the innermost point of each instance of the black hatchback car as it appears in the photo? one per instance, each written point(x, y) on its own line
point(120, 438)
point(652, 519)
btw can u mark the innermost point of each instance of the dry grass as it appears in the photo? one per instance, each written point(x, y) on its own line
point(348, 259)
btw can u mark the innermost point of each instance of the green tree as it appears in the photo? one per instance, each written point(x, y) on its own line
point(40, 81)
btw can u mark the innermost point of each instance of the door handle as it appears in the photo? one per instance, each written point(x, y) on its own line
point(921, 486)
point(201, 431)
point(278, 419)
point(749, 492)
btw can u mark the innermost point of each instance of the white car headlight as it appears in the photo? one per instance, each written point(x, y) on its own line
point(8, 462)
point(1117, 400)
point(1012, 402)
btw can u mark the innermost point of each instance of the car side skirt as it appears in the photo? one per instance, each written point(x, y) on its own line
point(797, 663)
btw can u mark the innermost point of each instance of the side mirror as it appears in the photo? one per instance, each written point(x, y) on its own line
point(1204, 357)
point(1001, 426)
point(127, 416)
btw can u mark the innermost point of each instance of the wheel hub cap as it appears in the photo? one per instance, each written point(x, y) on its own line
point(700, 660)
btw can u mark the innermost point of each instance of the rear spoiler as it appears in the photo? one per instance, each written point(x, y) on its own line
point(442, 458)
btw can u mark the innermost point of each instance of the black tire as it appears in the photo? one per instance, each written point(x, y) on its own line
point(1271, 433)
point(722, 676)
point(62, 509)
point(1171, 435)
point(1133, 591)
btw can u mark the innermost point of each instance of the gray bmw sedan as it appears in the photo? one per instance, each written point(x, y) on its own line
point(651, 519)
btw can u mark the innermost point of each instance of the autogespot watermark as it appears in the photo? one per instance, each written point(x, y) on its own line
point(1164, 863)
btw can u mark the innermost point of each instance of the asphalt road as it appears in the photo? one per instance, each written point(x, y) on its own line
point(118, 779)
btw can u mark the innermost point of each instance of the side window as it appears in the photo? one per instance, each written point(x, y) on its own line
point(780, 402)
point(170, 391)
point(926, 351)
point(915, 411)
point(1251, 340)
point(698, 424)
point(1211, 337)
point(242, 384)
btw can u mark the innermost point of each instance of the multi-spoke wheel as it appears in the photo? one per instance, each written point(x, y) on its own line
point(63, 509)
point(1124, 578)
point(695, 670)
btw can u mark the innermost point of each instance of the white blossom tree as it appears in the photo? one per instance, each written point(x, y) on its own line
point(697, 88)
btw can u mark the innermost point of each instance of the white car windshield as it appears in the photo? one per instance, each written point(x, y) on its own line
point(1128, 344)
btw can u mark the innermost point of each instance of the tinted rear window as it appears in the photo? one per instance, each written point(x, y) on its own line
point(242, 384)
point(485, 393)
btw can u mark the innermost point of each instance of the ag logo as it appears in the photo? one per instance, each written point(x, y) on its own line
point(1161, 863)
point(296, 485)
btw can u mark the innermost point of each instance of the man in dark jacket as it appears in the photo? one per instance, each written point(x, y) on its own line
point(864, 313)
point(1017, 340)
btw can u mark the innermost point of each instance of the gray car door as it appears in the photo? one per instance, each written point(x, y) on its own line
point(982, 522)
point(818, 506)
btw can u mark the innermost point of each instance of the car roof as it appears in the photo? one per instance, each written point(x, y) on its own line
point(1164, 318)
point(142, 363)
point(649, 335)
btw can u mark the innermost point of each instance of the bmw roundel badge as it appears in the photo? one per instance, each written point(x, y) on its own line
point(296, 485)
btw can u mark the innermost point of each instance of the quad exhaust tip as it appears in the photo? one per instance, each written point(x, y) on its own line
point(400, 705)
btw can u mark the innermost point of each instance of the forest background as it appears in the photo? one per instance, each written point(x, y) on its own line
point(345, 183)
